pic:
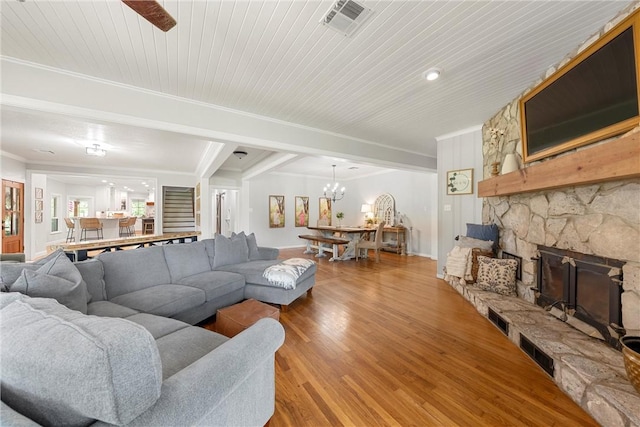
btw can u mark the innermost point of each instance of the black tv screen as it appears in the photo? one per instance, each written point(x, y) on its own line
point(598, 92)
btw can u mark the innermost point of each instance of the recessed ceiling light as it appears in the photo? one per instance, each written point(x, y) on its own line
point(431, 74)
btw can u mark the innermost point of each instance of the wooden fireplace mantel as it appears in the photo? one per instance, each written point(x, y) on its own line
point(614, 160)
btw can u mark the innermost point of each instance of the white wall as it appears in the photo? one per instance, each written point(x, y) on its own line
point(415, 195)
point(12, 169)
point(461, 150)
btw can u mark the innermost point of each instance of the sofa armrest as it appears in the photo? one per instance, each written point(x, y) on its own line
point(268, 253)
point(232, 385)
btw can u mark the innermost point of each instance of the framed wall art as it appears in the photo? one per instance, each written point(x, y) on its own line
point(39, 205)
point(39, 193)
point(324, 211)
point(276, 211)
point(302, 211)
point(38, 217)
point(460, 182)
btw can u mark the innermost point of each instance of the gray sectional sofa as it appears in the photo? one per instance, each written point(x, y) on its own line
point(109, 341)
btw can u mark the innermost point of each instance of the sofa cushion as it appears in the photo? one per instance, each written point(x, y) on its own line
point(210, 246)
point(215, 283)
point(61, 367)
point(129, 271)
point(163, 300)
point(252, 244)
point(92, 272)
point(109, 309)
point(157, 326)
point(10, 272)
point(232, 250)
point(253, 271)
point(186, 259)
point(185, 346)
point(58, 279)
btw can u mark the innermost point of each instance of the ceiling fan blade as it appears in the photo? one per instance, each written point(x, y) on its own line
point(152, 12)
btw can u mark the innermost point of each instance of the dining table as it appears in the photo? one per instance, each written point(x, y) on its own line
point(351, 233)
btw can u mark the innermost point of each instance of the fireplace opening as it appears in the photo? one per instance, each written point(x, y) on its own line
point(584, 287)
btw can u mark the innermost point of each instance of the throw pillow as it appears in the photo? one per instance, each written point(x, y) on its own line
point(58, 279)
point(475, 253)
point(232, 250)
point(470, 242)
point(254, 253)
point(497, 275)
point(485, 232)
point(61, 367)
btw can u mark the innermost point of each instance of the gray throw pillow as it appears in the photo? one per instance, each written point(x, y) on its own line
point(232, 250)
point(58, 279)
point(254, 253)
point(61, 367)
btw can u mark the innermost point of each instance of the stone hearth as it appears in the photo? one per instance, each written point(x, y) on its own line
point(588, 370)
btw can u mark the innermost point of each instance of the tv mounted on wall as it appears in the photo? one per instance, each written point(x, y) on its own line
point(593, 97)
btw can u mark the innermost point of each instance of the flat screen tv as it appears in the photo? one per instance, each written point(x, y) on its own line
point(593, 97)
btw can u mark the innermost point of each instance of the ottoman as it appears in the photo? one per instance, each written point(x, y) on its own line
point(232, 320)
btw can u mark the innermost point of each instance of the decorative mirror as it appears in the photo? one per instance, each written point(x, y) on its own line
point(384, 209)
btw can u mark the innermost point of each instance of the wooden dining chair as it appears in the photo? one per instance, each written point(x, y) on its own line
point(375, 244)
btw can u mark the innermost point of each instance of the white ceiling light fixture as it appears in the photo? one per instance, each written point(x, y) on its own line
point(95, 150)
point(331, 190)
point(240, 154)
point(346, 16)
point(431, 74)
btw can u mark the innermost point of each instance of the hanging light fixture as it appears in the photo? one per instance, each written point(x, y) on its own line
point(331, 190)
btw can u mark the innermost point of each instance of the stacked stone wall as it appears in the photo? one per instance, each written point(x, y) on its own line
point(601, 219)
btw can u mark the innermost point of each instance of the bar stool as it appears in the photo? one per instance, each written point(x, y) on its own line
point(70, 229)
point(127, 226)
point(90, 224)
point(147, 226)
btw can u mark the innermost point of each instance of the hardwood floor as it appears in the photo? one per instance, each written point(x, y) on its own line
point(390, 344)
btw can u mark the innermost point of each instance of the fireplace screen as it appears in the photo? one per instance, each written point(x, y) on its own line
point(585, 286)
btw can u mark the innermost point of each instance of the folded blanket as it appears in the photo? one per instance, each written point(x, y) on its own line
point(459, 262)
point(286, 273)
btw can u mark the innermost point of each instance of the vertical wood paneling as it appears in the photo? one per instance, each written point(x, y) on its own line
point(276, 59)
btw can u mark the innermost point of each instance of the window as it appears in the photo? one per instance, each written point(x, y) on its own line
point(78, 206)
point(138, 207)
point(55, 212)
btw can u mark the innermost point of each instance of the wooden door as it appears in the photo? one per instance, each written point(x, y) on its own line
point(12, 217)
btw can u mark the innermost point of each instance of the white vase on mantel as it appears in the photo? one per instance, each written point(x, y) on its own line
point(509, 164)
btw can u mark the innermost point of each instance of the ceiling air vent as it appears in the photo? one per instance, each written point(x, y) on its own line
point(346, 16)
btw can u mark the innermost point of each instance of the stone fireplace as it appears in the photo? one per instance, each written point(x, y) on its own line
point(580, 258)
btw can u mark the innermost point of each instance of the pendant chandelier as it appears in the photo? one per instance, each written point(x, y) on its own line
point(331, 190)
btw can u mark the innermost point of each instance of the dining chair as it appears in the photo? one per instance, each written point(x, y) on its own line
point(375, 244)
point(90, 224)
point(70, 229)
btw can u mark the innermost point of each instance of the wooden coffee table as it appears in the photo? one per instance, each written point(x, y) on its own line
point(232, 320)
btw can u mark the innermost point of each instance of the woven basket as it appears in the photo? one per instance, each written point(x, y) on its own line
point(631, 356)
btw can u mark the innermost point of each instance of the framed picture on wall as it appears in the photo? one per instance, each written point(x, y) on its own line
point(302, 211)
point(324, 213)
point(460, 182)
point(39, 205)
point(38, 217)
point(276, 211)
point(39, 193)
